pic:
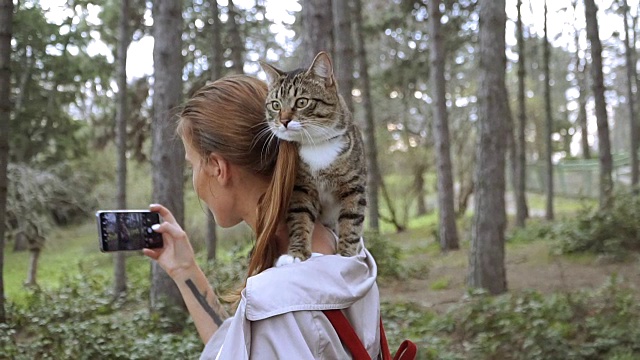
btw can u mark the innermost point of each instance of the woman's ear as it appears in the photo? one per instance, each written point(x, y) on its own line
point(218, 168)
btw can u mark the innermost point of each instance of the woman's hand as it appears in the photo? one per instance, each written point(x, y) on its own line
point(176, 257)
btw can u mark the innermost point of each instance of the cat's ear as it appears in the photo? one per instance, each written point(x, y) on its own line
point(272, 73)
point(322, 68)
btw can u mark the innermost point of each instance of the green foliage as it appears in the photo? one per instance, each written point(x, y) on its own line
point(600, 324)
point(612, 231)
point(441, 284)
point(50, 69)
point(38, 197)
point(535, 230)
point(387, 255)
point(81, 321)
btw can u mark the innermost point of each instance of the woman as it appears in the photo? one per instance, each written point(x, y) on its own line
point(243, 176)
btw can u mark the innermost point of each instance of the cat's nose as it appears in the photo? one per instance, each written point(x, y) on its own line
point(285, 117)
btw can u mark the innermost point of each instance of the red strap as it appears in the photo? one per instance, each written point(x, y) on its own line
point(407, 350)
point(347, 335)
point(384, 345)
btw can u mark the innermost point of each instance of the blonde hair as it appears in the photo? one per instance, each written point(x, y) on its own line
point(227, 117)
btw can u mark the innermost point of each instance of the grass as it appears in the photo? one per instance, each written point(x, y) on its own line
point(561, 205)
point(67, 251)
point(440, 284)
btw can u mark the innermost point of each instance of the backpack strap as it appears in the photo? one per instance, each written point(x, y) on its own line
point(407, 351)
point(347, 335)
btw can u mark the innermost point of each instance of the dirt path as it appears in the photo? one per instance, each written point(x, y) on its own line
point(529, 266)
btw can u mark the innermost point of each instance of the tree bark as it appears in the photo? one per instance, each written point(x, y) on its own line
point(167, 155)
point(520, 189)
point(549, 121)
point(418, 188)
point(486, 259)
point(446, 209)
point(212, 236)
point(119, 259)
point(217, 61)
point(632, 74)
point(6, 20)
point(317, 33)
point(237, 45)
point(343, 61)
point(217, 66)
point(32, 273)
point(373, 172)
point(597, 84)
point(581, 65)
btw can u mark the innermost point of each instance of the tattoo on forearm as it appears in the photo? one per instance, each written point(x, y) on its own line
point(202, 299)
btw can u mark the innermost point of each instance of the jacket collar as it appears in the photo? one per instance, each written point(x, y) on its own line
point(319, 283)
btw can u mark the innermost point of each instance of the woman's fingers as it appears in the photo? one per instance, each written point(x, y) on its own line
point(172, 229)
point(154, 254)
point(164, 212)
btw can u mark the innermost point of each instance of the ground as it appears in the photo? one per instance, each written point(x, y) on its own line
point(528, 266)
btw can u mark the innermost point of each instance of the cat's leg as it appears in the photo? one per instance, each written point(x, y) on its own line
point(301, 218)
point(353, 203)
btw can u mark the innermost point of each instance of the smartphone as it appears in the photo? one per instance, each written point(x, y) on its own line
point(124, 230)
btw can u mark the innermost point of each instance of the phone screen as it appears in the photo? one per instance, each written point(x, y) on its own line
point(122, 230)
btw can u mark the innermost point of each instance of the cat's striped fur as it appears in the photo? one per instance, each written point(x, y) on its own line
point(304, 106)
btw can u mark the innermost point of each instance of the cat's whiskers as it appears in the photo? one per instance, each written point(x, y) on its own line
point(271, 136)
point(322, 130)
point(266, 131)
point(308, 135)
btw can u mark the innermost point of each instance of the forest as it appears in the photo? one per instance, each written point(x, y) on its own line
point(501, 142)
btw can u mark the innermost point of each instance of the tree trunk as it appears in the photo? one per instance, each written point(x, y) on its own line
point(549, 120)
point(6, 20)
point(167, 155)
point(486, 259)
point(119, 260)
point(632, 74)
point(418, 188)
point(317, 33)
point(343, 60)
point(582, 113)
point(446, 210)
point(373, 172)
point(217, 61)
point(597, 84)
point(520, 189)
point(217, 66)
point(32, 273)
point(463, 198)
point(212, 236)
point(393, 217)
point(581, 65)
point(237, 45)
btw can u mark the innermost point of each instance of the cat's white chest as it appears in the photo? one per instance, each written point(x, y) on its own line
point(320, 156)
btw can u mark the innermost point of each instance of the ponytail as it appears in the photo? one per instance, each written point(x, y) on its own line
point(273, 208)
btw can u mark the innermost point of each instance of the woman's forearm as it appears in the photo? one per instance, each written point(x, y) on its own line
point(202, 303)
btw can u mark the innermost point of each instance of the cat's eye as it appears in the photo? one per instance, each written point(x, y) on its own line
point(275, 105)
point(302, 102)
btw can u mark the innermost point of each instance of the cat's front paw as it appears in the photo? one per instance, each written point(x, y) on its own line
point(287, 259)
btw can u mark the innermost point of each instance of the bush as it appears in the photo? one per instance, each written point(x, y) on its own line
point(600, 324)
point(612, 231)
point(387, 256)
point(81, 321)
point(534, 231)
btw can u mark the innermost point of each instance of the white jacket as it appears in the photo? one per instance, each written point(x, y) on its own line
point(280, 313)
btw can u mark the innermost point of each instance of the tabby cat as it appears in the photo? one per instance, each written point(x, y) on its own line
point(304, 106)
